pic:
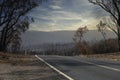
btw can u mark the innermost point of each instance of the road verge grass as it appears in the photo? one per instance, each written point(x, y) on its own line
point(21, 67)
point(106, 56)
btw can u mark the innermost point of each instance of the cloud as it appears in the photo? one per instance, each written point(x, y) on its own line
point(57, 2)
point(62, 15)
point(55, 7)
point(65, 15)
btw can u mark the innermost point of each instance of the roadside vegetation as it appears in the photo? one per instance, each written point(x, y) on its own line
point(21, 67)
point(13, 22)
point(112, 23)
point(106, 48)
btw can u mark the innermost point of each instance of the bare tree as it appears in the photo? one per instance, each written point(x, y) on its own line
point(102, 29)
point(78, 39)
point(113, 8)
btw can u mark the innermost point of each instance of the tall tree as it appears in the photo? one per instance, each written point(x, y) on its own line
point(13, 19)
point(80, 44)
point(113, 8)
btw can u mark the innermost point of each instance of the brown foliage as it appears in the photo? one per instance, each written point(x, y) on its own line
point(83, 48)
point(105, 46)
point(80, 44)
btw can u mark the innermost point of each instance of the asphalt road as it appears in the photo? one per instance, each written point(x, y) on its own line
point(85, 69)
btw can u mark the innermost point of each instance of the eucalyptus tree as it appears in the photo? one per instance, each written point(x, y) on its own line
point(13, 19)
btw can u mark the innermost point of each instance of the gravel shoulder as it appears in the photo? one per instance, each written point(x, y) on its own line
point(19, 67)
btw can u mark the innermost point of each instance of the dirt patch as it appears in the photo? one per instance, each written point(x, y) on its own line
point(108, 56)
point(19, 67)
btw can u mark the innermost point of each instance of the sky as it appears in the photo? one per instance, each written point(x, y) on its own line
point(56, 15)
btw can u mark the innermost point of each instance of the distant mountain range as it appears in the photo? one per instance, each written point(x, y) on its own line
point(40, 37)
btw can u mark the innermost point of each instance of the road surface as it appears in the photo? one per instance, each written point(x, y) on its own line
point(80, 68)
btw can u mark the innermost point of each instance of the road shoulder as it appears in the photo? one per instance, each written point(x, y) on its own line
point(26, 68)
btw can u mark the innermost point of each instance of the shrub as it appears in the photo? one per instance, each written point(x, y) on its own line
point(105, 46)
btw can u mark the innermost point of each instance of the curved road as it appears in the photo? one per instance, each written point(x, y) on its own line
point(85, 69)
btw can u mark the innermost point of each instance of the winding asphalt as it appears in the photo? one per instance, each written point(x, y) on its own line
point(80, 68)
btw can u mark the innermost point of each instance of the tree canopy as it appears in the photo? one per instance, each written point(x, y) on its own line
point(13, 20)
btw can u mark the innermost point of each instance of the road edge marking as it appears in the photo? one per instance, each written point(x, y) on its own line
point(52, 67)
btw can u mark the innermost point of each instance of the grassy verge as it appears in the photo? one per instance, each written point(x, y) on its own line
point(106, 56)
point(19, 67)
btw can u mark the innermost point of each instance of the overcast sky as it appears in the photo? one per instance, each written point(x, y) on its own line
point(65, 15)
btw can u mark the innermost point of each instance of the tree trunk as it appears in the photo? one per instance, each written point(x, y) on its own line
point(3, 45)
point(119, 42)
point(118, 22)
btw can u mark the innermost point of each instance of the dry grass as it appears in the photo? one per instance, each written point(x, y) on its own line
point(106, 56)
point(19, 67)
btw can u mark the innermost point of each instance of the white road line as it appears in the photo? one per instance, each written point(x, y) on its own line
point(106, 67)
point(68, 77)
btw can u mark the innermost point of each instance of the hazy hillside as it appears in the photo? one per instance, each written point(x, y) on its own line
point(39, 37)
